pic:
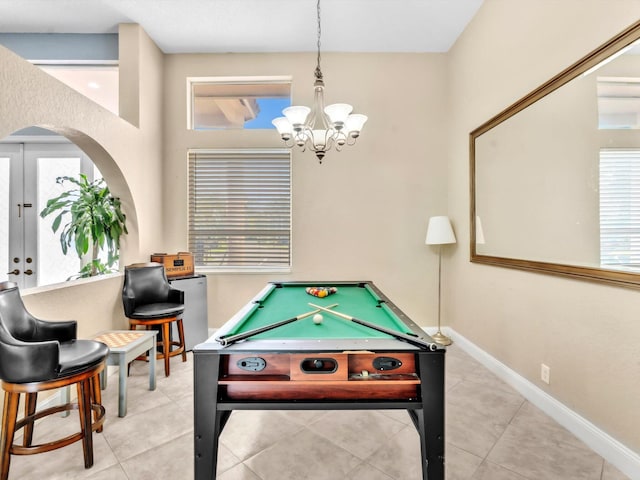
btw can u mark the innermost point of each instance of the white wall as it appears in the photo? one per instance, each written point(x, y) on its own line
point(587, 333)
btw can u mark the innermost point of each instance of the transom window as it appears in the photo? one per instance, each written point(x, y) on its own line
point(216, 103)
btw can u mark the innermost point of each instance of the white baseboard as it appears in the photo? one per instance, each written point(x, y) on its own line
point(614, 452)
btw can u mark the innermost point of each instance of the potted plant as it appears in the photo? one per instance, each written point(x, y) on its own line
point(94, 221)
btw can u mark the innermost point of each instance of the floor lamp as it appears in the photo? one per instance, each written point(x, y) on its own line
point(439, 232)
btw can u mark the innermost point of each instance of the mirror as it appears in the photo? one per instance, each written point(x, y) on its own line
point(555, 177)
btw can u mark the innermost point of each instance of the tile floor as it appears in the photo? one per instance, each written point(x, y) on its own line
point(492, 434)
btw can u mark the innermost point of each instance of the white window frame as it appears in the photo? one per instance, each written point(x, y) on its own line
point(241, 80)
point(236, 155)
point(26, 231)
point(620, 208)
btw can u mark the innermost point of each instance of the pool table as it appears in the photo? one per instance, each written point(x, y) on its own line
point(363, 353)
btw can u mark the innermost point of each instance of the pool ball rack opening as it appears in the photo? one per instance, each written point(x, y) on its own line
point(336, 364)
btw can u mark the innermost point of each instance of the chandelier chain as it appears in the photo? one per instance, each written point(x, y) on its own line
point(318, 72)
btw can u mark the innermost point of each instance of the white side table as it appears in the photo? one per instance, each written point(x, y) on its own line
point(124, 347)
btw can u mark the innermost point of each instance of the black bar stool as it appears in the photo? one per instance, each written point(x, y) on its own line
point(35, 356)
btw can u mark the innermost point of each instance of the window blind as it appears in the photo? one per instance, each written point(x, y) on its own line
point(240, 208)
point(620, 207)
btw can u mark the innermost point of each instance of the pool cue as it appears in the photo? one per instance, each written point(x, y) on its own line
point(394, 333)
point(226, 340)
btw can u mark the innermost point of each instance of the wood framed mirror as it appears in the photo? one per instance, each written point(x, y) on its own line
point(555, 177)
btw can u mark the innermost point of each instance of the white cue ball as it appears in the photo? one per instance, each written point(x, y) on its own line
point(317, 319)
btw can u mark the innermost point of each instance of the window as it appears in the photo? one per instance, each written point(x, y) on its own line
point(240, 209)
point(618, 103)
point(620, 208)
point(236, 102)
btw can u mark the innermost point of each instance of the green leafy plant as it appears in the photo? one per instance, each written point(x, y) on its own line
point(94, 221)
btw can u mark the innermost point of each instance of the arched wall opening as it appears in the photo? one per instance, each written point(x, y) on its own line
point(31, 160)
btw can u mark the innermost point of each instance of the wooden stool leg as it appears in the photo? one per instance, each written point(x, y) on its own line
point(96, 396)
point(30, 402)
point(166, 347)
point(181, 338)
point(84, 409)
point(9, 415)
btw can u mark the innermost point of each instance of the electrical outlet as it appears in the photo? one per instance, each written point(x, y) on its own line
point(545, 373)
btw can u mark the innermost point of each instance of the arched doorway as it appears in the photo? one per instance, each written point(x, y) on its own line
point(30, 162)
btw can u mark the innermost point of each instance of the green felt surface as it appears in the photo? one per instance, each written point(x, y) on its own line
point(292, 300)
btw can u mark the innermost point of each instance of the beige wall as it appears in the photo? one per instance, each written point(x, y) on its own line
point(362, 214)
point(127, 155)
point(548, 210)
point(95, 304)
point(587, 333)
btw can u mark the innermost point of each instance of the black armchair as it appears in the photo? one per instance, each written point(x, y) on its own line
point(35, 356)
point(150, 301)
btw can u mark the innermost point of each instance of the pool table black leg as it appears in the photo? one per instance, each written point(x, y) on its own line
point(208, 421)
point(430, 419)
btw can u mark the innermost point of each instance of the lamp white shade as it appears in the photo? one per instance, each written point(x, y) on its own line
point(439, 231)
point(479, 231)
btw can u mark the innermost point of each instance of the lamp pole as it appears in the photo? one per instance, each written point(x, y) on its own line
point(440, 337)
point(440, 232)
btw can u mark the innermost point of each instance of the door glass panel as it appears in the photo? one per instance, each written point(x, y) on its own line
point(4, 217)
point(28, 173)
point(53, 266)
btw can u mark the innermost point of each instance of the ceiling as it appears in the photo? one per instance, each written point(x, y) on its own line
point(207, 26)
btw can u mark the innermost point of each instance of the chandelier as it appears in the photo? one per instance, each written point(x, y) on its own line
point(321, 128)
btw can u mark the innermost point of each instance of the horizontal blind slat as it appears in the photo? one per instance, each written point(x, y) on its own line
point(619, 207)
point(240, 207)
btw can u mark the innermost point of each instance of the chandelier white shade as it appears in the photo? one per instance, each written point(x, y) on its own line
point(320, 128)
